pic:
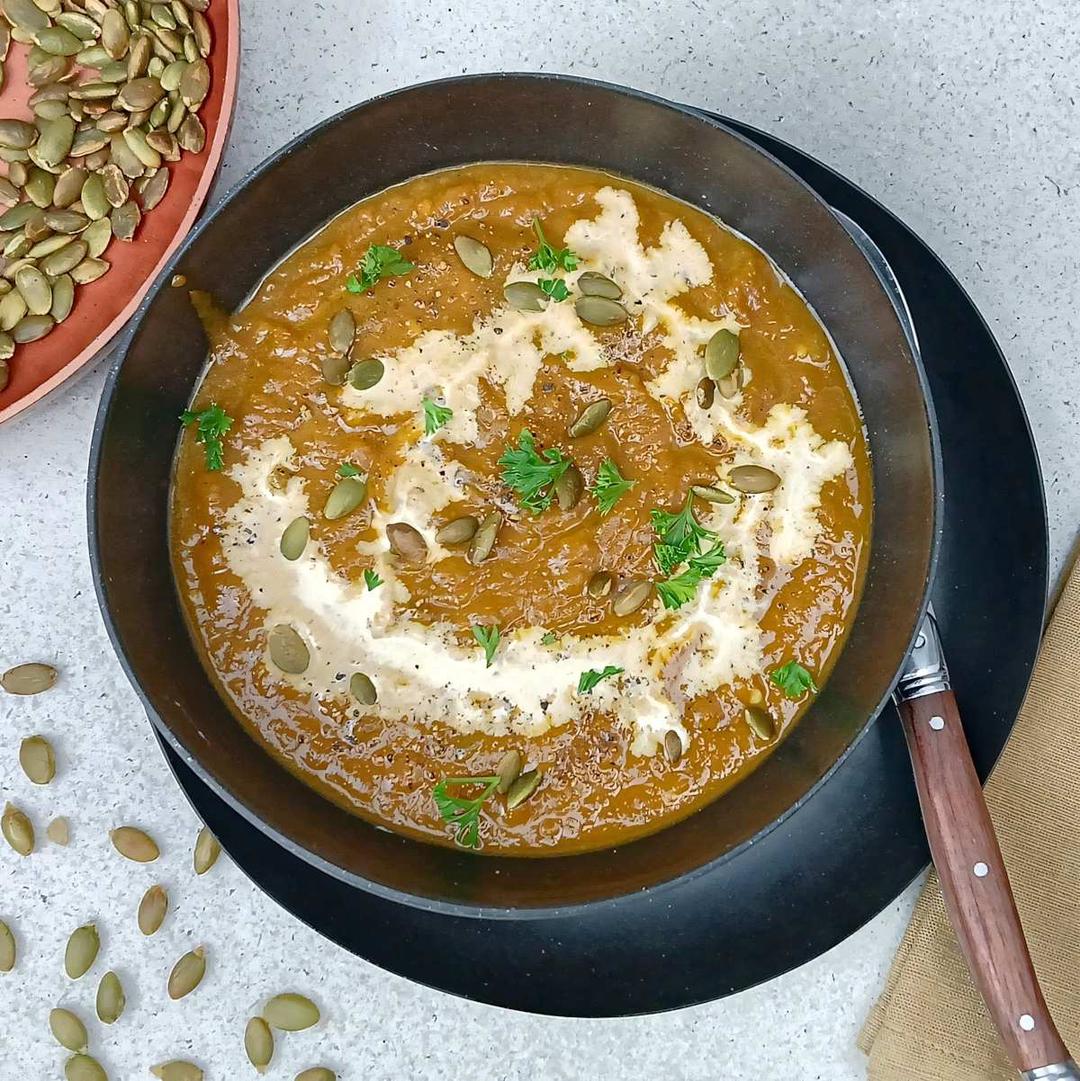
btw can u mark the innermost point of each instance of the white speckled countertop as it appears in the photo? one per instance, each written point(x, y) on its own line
point(959, 116)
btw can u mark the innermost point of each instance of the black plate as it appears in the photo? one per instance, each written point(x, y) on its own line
point(858, 840)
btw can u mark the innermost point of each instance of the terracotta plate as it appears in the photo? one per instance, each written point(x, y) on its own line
point(102, 308)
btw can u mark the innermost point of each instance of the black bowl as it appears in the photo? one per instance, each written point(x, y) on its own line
point(354, 155)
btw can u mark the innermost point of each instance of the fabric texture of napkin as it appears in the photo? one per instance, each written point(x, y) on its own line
point(930, 1023)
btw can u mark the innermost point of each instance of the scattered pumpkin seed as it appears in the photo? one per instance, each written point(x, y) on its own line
point(569, 488)
point(152, 909)
point(207, 850)
point(82, 26)
point(630, 596)
point(365, 374)
point(291, 1012)
point(760, 721)
point(134, 844)
point(673, 748)
point(363, 690)
point(31, 328)
point(35, 289)
point(187, 973)
point(7, 948)
point(600, 311)
point(40, 189)
point(317, 1073)
point(459, 530)
point(57, 41)
point(9, 194)
point(58, 832)
point(94, 200)
point(110, 1000)
point(125, 220)
point(721, 354)
point(342, 331)
point(153, 190)
point(195, 83)
point(17, 134)
point(294, 539)
point(522, 788)
point(344, 498)
point(487, 533)
point(89, 270)
point(17, 829)
point(81, 951)
point(114, 34)
point(55, 140)
point(28, 678)
point(711, 494)
point(525, 296)
point(591, 284)
point(139, 94)
point(599, 585)
point(171, 75)
point(25, 15)
point(509, 769)
point(752, 479)
point(68, 187)
point(68, 1029)
point(407, 542)
point(63, 298)
point(706, 393)
point(84, 1068)
point(177, 1070)
point(258, 1043)
point(590, 419)
point(731, 384)
point(191, 134)
point(335, 369)
point(475, 256)
point(37, 759)
point(12, 310)
point(288, 650)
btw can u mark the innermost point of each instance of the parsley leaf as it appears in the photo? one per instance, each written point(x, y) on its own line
point(548, 258)
point(372, 580)
point(592, 677)
point(435, 416)
point(610, 486)
point(532, 474)
point(677, 591)
point(549, 639)
point(347, 469)
point(379, 262)
point(679, 536)
point(793, 679)
point(488, 637)
point(212, 424)
point(463, 814)
point(554, 287)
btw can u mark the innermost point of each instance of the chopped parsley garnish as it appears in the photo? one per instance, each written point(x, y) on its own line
point(463, 814)
point(532, 474)
point(379, 262)
point(610, 486)
point(549, 639)
point(372, 580)
point(793, 679)
point(592, 677)
point(681, 539)
point(554, 287)
point(347, 469)
point(488, 637)
point(212, 423)
point(435, 416)
point(548, 258)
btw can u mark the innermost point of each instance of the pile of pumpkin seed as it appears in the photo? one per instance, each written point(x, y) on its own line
point(288, 1012)
point(116, 88)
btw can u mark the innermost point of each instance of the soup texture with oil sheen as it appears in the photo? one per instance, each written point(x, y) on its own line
point(522, 507)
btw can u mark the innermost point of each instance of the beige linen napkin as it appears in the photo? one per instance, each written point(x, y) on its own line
point(930, 1024)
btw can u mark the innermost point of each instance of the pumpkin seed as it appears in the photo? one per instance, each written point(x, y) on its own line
point(407, 542)
point(335, 369)
point(89, 270)
point(364, 374)
point(49, 71)
point(525, 296)
point(114, 34)
point(673, 748)
point(164, 143)
point(17, 829)
point(37, 759)
point(317, 1073)
point(258, 1043)
point(362, 689)
point(98, 235)
point(110, 999)
point(137, 144)
point(139, 56)
point(171, 75)
point(52, 110)
point(599, 311)
point(522, 788)
point(207, 850)
point(65, 260)
point(288, 650)
point(84, 1068)
point(81, 951)
point(8, 950)
point(58, 41)
point(82, 26)
point(760, 721)
point(280, 475)
point(35, 290)
point(291, 1012)
point(177, 1070)
point(509, 769)
point(93, 56)
point(590, 418)
point(17, 216)
point(721, 354)
point(12, 309)
point(125, 220)
point(344, 498)
point(475, 256)
point(195, 84)
point(592, 284)
point(94, 200)
point(487, 533)
point(459, 530)
point(9, 194)
point(139, 94)
point(24, 15)
point(706, 393)
point(7, 350)
point(163, 16)
point(752, 479)
point(152, 909)
point(711, 494)
point(68, 1029)
point(569, 488)
point(5, 41)
point(191, 134)
point(57, 831)
point(134, 844)
point(200, 27)
point(294, 539)
point(630, 596)
point(599, 585)
point(17, 134)
point(342, 331)
point(56, 139)
point(731, 384)
point(68, 187)
point(187, 973)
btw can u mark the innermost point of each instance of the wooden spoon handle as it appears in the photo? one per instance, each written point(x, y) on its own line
point(977, 894)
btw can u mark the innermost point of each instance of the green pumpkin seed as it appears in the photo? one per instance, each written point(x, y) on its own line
point(158, 115)
point(363, 690)
point(65, 260)
point(711, 494)
point(200, 26)
point(459, 530)
point(139, 54)
point(291, 1012)
point(721, 355)
point(24, 15)
point(344, 498)
point(17, 134)
point(93, 56)
point(134, 844)
point(49, 71)
point(335, 369)
point(591, 284)
point(365, 374)
point(56, 139)
point(139, 94)
point(706, 393)
point(81, 951)
point(600, 311)
point(342, 331)
point(68, 188)
point(110, 999)
point(509, 769)
point(37, 759)
point(52, 110)
point(673, 748)
point(600, 584)
point(94, 200)
point(288, 650)
point(487, 533)
point(475, 256)
point(8, 949)
point(5, 368)
point(195, 83)
point(9, 194)
point(187, 973)
point(82, 26)
point(590, 418)
point(125, 220)
point(84, 1068)
point(258, 1043)
point(525, 296)
point(172, 74)
point(17, 829)
point(7, 351)
point(752, 479)
point(731, 384)
point(68, 1029)
point(294, 539)
point(152, 909)
point(57, 41)
point(163, 16)
point(97, 235)
point(89, 270)
point(317, 1073)
point(51, 243)
point(12, 310)
point(407, 542)
point(35, 290)
point(17, 216)
point(191, 134)
point(569, 488)
point(57, 831)
point(630, 596)
point(760, 721)
point(177, 1070)
point(137, 144)
point(522, 788)
point(207, 850)
point(114, 34)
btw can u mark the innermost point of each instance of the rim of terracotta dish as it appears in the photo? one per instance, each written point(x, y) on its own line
point(215, 152)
